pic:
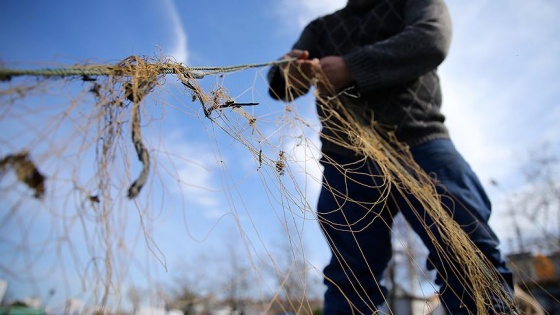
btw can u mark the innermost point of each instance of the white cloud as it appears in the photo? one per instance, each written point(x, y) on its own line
point(306, 151)
point(180, 51)
point(474, 131)
point(501, 90)
point(306, 167)
point(498, 80)
point(196, 169)
point(298, 13)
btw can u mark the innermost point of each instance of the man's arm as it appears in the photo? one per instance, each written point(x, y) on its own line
point(419, 48)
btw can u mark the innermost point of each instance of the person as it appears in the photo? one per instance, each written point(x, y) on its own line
point(380, 59)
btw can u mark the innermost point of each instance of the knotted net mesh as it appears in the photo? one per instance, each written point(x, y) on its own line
point(89, 170)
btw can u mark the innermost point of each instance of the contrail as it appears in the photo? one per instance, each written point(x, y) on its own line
point(180, 51)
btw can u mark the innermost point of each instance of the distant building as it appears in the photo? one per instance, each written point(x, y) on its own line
point(146, 310)
point(405, 303)
point(74, 307)
point(539, 276)
point(3, 288)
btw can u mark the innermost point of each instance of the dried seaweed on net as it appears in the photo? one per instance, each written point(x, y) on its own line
point(130, 80)
point(119, 91)
point(26, 172)
point(142, 83)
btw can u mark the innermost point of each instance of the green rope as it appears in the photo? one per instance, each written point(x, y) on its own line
point(196, 72)
point(58, 72)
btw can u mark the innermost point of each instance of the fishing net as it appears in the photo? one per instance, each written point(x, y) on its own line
point(90, 169)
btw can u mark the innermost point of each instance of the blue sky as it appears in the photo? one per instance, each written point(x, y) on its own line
point(501, 98)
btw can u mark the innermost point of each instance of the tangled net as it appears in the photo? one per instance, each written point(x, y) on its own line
point(70, 165)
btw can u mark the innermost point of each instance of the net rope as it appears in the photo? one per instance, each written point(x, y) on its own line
point(45, 171)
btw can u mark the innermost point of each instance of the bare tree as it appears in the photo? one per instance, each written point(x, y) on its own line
point(192, 287)
point(237, 287)
point(535, 209)
point(291, 272)
point(183, 297)
point(407, 271)
point(134, 295)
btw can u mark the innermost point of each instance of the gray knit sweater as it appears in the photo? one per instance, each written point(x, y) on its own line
point(392, 50)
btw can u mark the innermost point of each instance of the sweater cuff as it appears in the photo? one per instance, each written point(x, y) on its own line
point(365, 73)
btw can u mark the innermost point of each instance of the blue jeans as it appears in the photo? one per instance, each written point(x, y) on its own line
point(356, 199)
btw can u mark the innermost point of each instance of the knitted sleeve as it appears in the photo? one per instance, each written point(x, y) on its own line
point(419, 48)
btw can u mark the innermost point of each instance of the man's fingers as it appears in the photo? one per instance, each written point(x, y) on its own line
point(304, 54)
point(299, 54)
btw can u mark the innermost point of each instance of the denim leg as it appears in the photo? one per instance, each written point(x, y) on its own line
point(462, 194)
point(357, 228)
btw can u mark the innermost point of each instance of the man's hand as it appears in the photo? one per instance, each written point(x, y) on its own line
point(336, 73)
point(300, 73)
point(331, 73)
